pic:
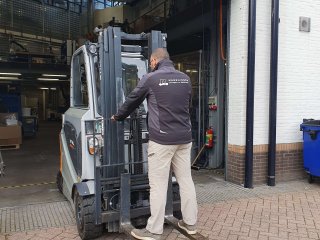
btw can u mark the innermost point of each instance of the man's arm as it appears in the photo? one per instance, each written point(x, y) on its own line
point(133, 100)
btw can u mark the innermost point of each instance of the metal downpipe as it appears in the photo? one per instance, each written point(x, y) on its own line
point(273, 92)
point(248, 183)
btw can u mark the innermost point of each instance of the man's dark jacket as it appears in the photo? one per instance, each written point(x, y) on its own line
point(168, 92)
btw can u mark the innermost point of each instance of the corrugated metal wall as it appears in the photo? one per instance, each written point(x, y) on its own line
point(39, 19)
point(4, 47)
point(32, 45)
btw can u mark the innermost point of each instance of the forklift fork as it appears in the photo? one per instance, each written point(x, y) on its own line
point(125, 199)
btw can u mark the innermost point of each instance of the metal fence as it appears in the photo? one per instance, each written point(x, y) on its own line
point(36, 18)
point(31, 27)
point(31, 50)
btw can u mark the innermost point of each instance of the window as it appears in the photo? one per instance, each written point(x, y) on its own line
point(79, 82)
point(133, 69)
point(101, 4)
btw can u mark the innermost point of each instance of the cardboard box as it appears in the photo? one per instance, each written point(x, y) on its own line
point(10, 135)
point(9, 118)
point(11, 122)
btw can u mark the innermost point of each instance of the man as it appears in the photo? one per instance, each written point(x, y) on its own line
point(168, 92)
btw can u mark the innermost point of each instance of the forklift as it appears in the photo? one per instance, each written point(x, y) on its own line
point(103, 164)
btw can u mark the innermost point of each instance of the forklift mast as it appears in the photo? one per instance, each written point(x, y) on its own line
point(119, 173)
point(112, 45)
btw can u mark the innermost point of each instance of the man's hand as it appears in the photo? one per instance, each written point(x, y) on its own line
point(113, 119)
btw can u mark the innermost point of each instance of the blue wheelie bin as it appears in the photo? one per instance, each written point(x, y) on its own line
point(311, 147)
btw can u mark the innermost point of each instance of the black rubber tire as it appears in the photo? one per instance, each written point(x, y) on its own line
point(177, 214)
point(176, 197)
point(59, 181)
point(84, 211)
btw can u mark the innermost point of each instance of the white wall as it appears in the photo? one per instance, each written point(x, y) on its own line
point(262, 73)
point(299, 68)
point(298, 71)
point(237, 72)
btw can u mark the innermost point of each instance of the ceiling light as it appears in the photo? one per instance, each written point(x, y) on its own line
point(48, 79)
point(53, 75)
point(194, 71)
point(53, 88)
point(188, 70)
point(13, 74)
point(9, 78)
point(44, 88)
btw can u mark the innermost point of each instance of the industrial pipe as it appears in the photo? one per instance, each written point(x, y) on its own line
point(250, 94)
point(273, 92)
point(199, 98)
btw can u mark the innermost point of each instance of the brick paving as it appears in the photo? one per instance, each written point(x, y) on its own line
point(288, 211)
point(35, 216)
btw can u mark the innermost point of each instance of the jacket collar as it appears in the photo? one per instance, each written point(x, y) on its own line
point(163, 63)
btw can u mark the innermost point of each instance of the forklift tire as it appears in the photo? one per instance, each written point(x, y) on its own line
point(177, 214)
point(59, 181)
point(85, 211)
point(310, 179)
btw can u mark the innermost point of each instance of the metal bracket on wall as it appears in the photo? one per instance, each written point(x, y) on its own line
point(304, 24)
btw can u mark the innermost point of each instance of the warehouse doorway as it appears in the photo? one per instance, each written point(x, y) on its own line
point(31, 170)
point(190, 63)
point(193, 41)
point(31, 157)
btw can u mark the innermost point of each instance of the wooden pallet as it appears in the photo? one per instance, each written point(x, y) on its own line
point(9, 147)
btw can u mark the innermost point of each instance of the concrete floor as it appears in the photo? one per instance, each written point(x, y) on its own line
point(30, 172)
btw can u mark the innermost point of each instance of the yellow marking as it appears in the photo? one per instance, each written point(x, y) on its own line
point(27, 185)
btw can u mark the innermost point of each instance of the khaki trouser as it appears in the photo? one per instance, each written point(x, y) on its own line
point(160, 159)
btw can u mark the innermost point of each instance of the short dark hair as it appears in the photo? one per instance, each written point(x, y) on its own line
point(160, 54)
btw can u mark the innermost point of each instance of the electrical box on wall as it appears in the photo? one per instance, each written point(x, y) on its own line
point(304, 24)
point(212, 100)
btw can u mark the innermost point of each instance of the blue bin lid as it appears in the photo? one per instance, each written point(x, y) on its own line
point(310, 124)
